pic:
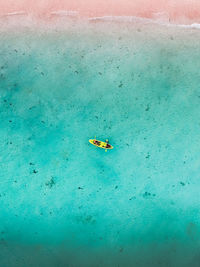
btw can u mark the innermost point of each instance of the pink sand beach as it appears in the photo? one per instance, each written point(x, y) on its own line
point(175, 11)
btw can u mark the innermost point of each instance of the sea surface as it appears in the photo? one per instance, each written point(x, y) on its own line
point(64, 202)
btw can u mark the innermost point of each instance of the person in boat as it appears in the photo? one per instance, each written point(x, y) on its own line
point(107, 144)
point(96, 142)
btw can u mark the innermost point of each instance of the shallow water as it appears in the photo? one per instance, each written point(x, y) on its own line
point(65, 202)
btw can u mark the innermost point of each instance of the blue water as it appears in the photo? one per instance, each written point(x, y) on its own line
point(65, 202)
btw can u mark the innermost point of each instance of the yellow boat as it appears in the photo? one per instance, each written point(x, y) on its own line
point(100, 144)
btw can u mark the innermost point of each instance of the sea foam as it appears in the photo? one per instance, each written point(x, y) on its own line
point(156, 20)
point(65, 13)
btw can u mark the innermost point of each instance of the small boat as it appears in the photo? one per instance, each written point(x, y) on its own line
point(101, 144)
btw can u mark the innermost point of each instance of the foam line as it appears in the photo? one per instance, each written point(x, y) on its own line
point(143, 20)
point(17, 13)
point(65, 13)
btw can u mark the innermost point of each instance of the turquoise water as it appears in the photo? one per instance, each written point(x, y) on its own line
point(65, 202)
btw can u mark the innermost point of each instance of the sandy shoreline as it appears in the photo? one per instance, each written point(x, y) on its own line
point(174, 11)
point(65, 19)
